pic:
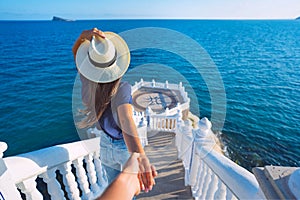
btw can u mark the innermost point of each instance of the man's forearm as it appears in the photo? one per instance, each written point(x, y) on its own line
point(123, 187)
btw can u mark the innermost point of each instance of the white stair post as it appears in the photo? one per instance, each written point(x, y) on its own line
point(142, 82)
point(53, 186)
point(148, 117)
point(101, 173)
point(82, 178)
point(8, 189)
point(90, 167)
point(167, 84)
point(69, 181)
point(179, 117)
point(28, 187)
point(153, 83)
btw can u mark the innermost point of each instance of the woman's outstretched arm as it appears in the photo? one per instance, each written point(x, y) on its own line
point(133, 143)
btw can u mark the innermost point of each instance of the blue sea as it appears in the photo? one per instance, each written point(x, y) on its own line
point(258, 61)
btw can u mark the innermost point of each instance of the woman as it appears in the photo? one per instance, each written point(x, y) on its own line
point(102, 59)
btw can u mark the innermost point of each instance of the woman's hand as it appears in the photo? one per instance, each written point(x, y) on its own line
point(86, 35)
point(147, 173)
point(139, 164)
point(127, 184)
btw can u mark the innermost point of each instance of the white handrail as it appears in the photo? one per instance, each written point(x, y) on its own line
point(211, 174)
point(241, 182)
point(44, 163)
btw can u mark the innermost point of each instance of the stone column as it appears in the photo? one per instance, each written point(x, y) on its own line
point(8, 189)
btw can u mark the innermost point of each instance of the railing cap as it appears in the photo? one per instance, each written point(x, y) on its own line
point(3, 147)
point(205, 124)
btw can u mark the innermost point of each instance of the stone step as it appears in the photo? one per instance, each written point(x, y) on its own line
point(170, 180)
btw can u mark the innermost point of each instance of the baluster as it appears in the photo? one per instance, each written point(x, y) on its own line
point(203, 177)
point(178, 140)
point(153, 123)
point(206, 182)
point(199, 177)
point(91, 172)
point(213, 186)
point(53, 186)
point(101, 174)
point(28, 187)
point(172, 123)
point(160, 123)
point(194, 168)
point(142, 82)
point(221, 192)
point(179, 117)
point(69, 181)
point(82, 178)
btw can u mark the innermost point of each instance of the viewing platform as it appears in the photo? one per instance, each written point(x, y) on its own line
point(182, 147)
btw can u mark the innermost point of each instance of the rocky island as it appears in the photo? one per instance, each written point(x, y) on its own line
point(61, 19)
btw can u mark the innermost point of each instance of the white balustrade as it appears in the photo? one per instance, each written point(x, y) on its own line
point(163, 123)
point(211, 174)
point(45, 163)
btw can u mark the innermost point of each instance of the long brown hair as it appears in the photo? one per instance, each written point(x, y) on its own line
point(99, 96)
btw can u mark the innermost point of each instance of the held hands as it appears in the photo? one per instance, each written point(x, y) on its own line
point(139, 164)
point(147, 173)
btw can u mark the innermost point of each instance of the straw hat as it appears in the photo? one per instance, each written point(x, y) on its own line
point(103, 60)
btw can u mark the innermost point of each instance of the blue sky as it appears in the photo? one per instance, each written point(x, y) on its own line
point(116, 9)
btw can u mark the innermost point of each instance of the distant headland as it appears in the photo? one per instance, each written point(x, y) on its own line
point(298, 18)
point(61, 19)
